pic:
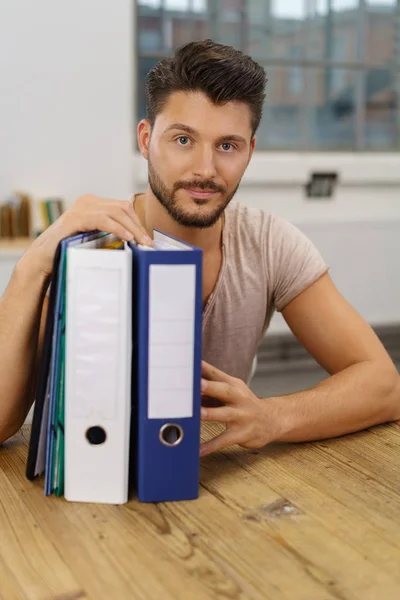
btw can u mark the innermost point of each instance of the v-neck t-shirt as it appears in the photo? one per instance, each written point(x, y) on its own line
point(266, 263)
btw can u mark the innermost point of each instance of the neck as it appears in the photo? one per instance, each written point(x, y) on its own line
point(154, 216)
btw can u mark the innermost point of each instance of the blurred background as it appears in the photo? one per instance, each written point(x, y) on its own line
point(327, 159)
point(332, 64)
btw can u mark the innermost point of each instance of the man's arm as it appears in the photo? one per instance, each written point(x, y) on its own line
point(23, 310)
point(363, 390)
point(364, 387)
point(23, 307)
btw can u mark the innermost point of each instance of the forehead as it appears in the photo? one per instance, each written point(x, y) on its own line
point(196, 110)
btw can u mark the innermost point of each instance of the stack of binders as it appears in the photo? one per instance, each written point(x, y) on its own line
point(117, 407)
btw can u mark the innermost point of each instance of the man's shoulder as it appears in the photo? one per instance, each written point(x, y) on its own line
point(247, 219)
point(251, 220)
point(257, 230)
point(239, 208)
point(256, 223)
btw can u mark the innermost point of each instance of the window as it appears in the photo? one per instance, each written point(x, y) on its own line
point(296, 81)
point(333, 65)
point(150, 39)
point(339, 54)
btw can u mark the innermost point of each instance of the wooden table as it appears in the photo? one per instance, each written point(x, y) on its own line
point(296, 522)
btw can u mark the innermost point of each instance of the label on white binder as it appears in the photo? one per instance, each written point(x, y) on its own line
point(97, 342)
point(98, 374)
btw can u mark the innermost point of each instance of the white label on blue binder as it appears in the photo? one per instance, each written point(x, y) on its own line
point(183, 335)
point(172, 294)
point(163, 355)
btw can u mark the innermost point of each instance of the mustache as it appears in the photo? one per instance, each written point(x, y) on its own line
point(199, 184)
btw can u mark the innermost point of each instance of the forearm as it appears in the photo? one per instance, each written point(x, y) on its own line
point(358, 397)
point(20, 312)
point(21, 307)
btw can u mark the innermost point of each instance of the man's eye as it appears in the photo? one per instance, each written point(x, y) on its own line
point(183, 140)
point(226, 146)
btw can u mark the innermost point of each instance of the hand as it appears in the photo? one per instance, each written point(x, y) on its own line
point(242, 412)
point(87, 214)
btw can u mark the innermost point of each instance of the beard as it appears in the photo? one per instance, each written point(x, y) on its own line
point(178, 213)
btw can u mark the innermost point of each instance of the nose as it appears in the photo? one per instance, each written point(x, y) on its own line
point(204, 163)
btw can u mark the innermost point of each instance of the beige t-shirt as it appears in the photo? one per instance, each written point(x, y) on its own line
point(267, 262)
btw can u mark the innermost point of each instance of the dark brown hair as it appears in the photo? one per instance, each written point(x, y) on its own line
point(221, 72)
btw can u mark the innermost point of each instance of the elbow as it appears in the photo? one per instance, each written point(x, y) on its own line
point(12, 420)
point(396, 397)
point(5, 435)
point(390, 381)
point(8, 430)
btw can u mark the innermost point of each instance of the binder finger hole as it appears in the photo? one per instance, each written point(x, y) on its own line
point(96, 435)
point(171, 434)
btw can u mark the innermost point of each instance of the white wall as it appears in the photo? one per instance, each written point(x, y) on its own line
point(357, 231)
point(66, 128)
point(65, 97)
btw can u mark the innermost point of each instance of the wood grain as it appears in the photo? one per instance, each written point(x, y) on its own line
point(9, 588)
point(306, 525)
point(29, 555)
point(291, 522)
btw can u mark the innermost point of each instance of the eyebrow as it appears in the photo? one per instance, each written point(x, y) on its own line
point(187, 129)
point(182, 127)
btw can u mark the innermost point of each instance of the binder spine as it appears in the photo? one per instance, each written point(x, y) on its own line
point(98, 375)
point(168, 354)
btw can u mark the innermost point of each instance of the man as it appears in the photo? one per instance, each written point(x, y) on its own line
point(203, 109)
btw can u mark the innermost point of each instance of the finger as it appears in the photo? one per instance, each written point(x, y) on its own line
point(128, 209)
point(220, 391)
point(210, 372)
point(124, 226)
point(136, 230)
point(110, 225)
point(223, 440)
point(222, 414)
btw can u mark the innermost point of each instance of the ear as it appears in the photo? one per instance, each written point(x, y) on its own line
point(252, 146)
point(143, 137)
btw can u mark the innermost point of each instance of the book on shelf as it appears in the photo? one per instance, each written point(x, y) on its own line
point(16, 215)
point(51, 209)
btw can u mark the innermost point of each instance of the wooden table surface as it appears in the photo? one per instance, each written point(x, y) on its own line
point(296, 522)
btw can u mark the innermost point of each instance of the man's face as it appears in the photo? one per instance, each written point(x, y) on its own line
point(197, 153)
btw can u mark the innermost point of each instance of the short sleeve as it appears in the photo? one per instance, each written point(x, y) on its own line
point(295, 262)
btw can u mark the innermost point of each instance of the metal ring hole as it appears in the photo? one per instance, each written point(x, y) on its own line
point(171, 434)
point(96, 435)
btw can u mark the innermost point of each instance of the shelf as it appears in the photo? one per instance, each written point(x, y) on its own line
point(17, 245)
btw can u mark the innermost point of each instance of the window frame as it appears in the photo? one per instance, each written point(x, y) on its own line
point(359, 67)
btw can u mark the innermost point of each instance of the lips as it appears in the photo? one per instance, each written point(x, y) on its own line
point(198, 193)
